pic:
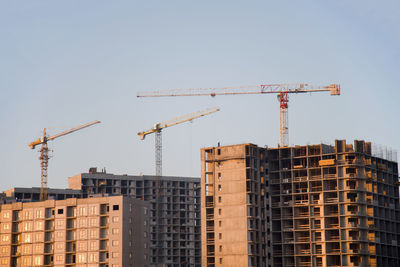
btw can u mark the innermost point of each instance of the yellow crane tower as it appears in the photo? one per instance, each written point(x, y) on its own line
point(44, 153)
point(282, 91)
point(158, 127)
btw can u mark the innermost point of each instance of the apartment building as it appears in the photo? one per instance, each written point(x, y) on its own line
point(175, 227)
point(235, 206)
point(334, 206)
point(99, 231)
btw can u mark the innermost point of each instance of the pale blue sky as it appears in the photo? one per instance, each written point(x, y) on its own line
point(64, 63)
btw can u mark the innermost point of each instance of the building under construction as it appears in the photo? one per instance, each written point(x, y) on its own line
point(175, 235)
point(234, 203)
point(329, 206)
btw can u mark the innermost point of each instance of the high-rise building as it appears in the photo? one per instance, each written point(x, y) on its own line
point(334, 206)
point(327, 206)
point(234, 206)
point(98, 231)
point(175, 229)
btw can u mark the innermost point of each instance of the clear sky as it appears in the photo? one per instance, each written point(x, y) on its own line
point(64, 63)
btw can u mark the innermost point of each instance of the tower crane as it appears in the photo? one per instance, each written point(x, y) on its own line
point(158, 127)
point(281, 90)
point(44, 153)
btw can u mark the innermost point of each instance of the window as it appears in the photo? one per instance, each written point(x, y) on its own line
point(82, 211)
point(115, 219)
point(60, 211)
point(92, 257)
point(220, 223)
point(219, 199)
point(26, 261)
point(220, 248)
point(220, 260)
point(219, 211)
point(81, 258)
point(219, 188)
point(82, 222)
point(115, 207)
point(37, 260)
point(93, 210)
point(94, 222)
point(93, 245)
point(6, 215)
point(28, 215)
point(82, 234)
point(39, 226)
point(27, 238)
point(27, 226)
point(6, 226)
point(38, 237)
point(219, 176)
point(220, 235)
point(82, 246)
point(115, 231)
point(115, 242)
point(93, 233)
point(39, 214)
point(115, 255)
point(5, 238)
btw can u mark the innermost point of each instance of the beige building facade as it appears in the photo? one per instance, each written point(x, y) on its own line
point(98, 231)
point(234, 206)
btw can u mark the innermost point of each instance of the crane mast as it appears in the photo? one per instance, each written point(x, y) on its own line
point(282, 91)
point(44, 153)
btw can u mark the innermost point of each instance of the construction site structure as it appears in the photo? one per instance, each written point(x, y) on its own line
point(328, 206)
point(175, 226)
point(281, 90)
point(235, 206)
point(334, 206)
point(44, 153)
point(97, 231)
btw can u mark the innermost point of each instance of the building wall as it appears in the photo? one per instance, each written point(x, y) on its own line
point(234, 206)
point(175, 235)
point(79, 232)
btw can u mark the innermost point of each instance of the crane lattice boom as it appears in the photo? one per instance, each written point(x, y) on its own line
point(334, 89)
point(188, 117)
